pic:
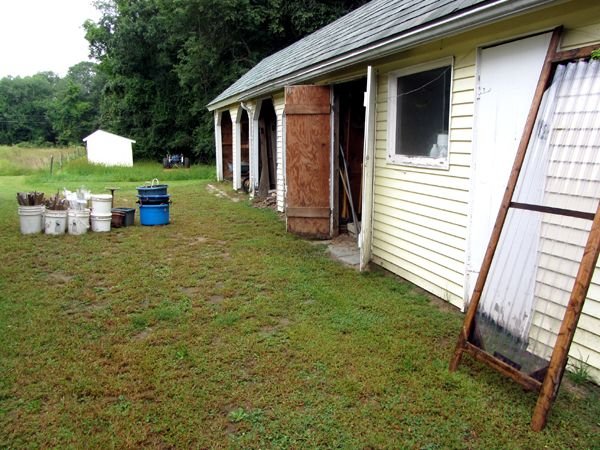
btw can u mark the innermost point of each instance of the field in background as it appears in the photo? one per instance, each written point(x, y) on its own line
point(142, 171)
point(70, 165)
point(15, 160)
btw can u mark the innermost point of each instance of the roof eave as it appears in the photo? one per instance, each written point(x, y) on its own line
point(481, 15)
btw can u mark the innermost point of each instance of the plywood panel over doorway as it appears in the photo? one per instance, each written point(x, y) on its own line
point(308, 160)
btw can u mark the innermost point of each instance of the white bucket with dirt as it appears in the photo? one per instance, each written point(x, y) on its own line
point(78, 222)
point(55, 222)
point(101, 222)
point(31, 219)
point(101, 204)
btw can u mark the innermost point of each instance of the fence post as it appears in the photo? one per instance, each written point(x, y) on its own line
point(51, 163)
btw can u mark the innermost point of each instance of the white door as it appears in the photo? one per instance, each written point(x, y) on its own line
point(507, 77)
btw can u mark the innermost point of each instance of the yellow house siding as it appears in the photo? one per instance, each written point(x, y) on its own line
point(421, 216)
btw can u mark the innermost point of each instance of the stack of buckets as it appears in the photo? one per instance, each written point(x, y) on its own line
point(101, 212)
point(154, 204)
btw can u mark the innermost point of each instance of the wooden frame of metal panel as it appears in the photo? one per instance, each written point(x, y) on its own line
point(558, 361)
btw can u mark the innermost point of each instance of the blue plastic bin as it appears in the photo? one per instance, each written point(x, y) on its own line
point(154, 214)
point(158, 189)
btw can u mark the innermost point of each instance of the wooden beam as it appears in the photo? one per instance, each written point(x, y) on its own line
point(551, 210)
point(545, 77)
point(558, 361)
point(529, 383)
point(576, 53)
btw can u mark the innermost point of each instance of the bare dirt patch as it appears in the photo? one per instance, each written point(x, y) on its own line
point(216, 299)
point(60, 277)
point(142, 335)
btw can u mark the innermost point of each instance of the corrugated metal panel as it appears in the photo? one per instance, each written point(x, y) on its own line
point(565, 164)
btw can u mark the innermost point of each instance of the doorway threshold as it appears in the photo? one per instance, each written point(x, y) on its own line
point(344, 249)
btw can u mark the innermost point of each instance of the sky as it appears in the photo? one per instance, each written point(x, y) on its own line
point(43, 35)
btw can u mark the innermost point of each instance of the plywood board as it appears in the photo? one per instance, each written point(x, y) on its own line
point(308, 158)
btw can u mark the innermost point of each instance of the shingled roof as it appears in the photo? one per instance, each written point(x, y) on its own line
point(373, 23)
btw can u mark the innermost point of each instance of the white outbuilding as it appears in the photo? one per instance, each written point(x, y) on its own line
point(109, 149)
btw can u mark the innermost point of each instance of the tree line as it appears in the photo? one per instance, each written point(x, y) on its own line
point(45, 109)
point(160, 62)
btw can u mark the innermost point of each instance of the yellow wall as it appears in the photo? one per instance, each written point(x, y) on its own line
point(421, 215)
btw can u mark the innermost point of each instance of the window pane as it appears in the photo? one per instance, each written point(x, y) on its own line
point(423, 110)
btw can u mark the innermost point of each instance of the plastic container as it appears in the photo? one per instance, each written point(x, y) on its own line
point(55, 222)
point(101, 222)
point(101, 204)
point(157, 199)
point(127, 217)
point(157, 189)
point(31, 219)
point(78, 222)
point(151, 215)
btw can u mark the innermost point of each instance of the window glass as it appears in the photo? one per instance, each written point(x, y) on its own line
point(422, 115)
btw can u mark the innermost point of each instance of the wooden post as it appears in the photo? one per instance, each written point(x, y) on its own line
point(545, 76)
point(51, 163)
point(558, 361)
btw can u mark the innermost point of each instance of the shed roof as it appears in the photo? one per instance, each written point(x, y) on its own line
point(107, 134)
point(366, 28)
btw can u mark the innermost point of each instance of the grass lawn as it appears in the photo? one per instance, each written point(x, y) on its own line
point(221, 330)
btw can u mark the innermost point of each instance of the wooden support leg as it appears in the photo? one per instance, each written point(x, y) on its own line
point(558, 361)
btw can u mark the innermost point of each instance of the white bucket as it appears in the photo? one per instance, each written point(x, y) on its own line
point(101, 204)
point(101, 222)
point(55, 222)
point(78, 222)
point(31, 219)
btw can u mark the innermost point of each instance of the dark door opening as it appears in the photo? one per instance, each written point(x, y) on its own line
point(267, 148)
point(351, 132)
point(227, 145)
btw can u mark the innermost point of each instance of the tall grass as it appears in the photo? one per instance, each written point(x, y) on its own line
point(16, 161)
point(81, 170)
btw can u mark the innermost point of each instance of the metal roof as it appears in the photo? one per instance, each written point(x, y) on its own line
point(372, 23)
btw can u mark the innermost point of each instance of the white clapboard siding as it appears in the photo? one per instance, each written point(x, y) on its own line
point(573, 182)
point(420, 214)
point(278, 104)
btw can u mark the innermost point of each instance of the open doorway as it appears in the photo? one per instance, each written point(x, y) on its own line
point(227, 145)
point(267, 149)
point(350, 135)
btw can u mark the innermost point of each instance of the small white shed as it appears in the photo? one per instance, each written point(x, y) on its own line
point(109, 149)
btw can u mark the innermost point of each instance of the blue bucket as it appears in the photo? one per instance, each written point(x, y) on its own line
point(154, 214)
point(157, 189)
point(153, 199)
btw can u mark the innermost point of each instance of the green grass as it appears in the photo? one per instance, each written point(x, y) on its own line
point(222, 330)
point(17, 160)
point(82, 171)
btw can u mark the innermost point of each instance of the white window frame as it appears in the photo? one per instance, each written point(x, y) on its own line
point(409, 160)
